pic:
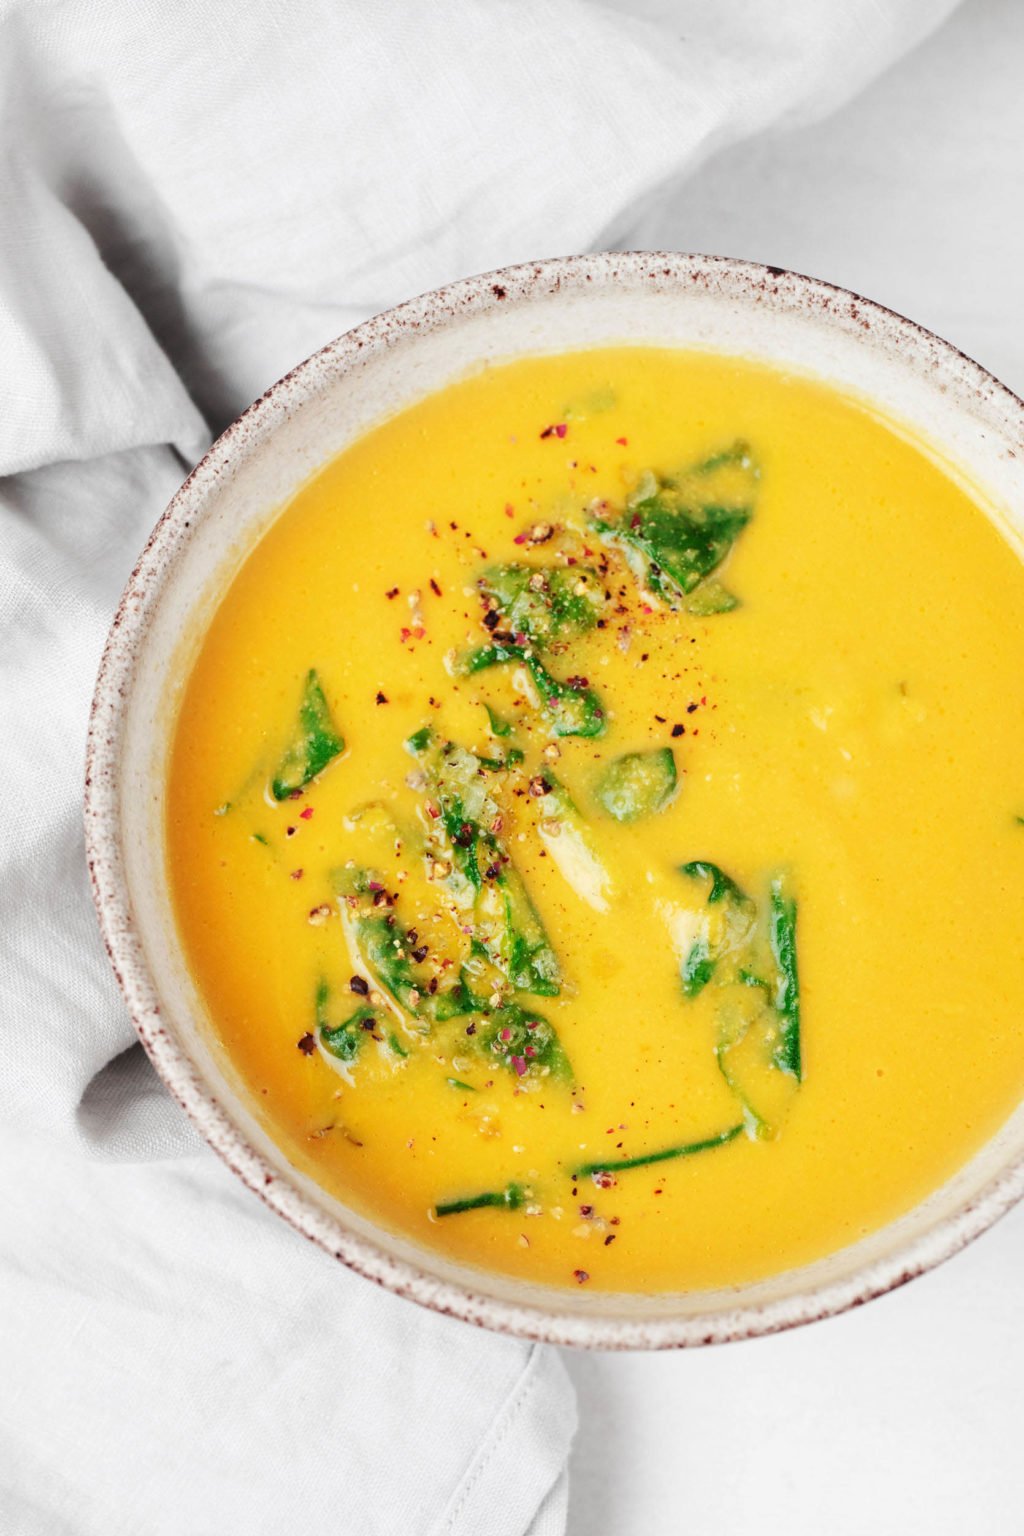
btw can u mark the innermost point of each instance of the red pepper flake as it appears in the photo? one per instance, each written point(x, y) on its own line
point(623, 442)
point(520, 538)
point(677, 729)
point(634, 521)
point(405, 633)
point(557, 429)
point(307, 814)
point(382, 697)
point(392, 593)
point(586, 1210)
point(434, 587)
point(418, 632)
point(359, 985)
point(580, 1276)
point(510, 510)
point(609, 1239)
point(603, 1179)
point(296, 874)
point(690, 708)
point(307, 1045)
point(420, 954)
point(470, 1029)
point(520, 1065)
point(290, 831)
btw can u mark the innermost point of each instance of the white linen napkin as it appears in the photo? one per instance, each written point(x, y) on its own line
point(191, 199)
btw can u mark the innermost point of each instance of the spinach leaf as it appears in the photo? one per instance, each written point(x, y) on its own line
point(572, 707)
point(523, 1042)
point(382, 946)
point(721, 884)
point(510, 1198)
point(667, 1154)
point(484, 880)
point(543, 603)
point(747, 952)
point(314, 745)
point(638, 784)
point(782, 936)
point(499, 726)
point(697, 968)
point(345, 1040)
point(677, 530)
point(523, 950)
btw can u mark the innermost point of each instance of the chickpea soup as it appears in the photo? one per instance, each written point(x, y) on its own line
point(596, 822)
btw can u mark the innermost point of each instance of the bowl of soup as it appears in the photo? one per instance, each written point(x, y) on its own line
point(556, 799)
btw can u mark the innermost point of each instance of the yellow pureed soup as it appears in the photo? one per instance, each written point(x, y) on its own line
point(595, 822)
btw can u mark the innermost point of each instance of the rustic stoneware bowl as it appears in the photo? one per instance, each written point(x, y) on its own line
point(794, 322)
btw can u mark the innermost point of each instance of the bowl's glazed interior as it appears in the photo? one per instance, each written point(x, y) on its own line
point(970, 421)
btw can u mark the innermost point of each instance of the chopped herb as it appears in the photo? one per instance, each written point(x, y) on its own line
point(638, 784)
point(688, 1149)
point(314, 746)
point(510, 1199)
point(456, 1082)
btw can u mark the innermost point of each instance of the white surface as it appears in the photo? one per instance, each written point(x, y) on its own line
point(903, 1417)
point(192, 197)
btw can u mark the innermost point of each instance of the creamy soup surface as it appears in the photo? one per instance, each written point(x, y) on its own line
point(595, 822)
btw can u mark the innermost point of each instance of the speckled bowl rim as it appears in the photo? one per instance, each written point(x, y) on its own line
point(749, 281)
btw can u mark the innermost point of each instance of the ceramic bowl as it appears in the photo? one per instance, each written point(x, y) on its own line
point(793, 322)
